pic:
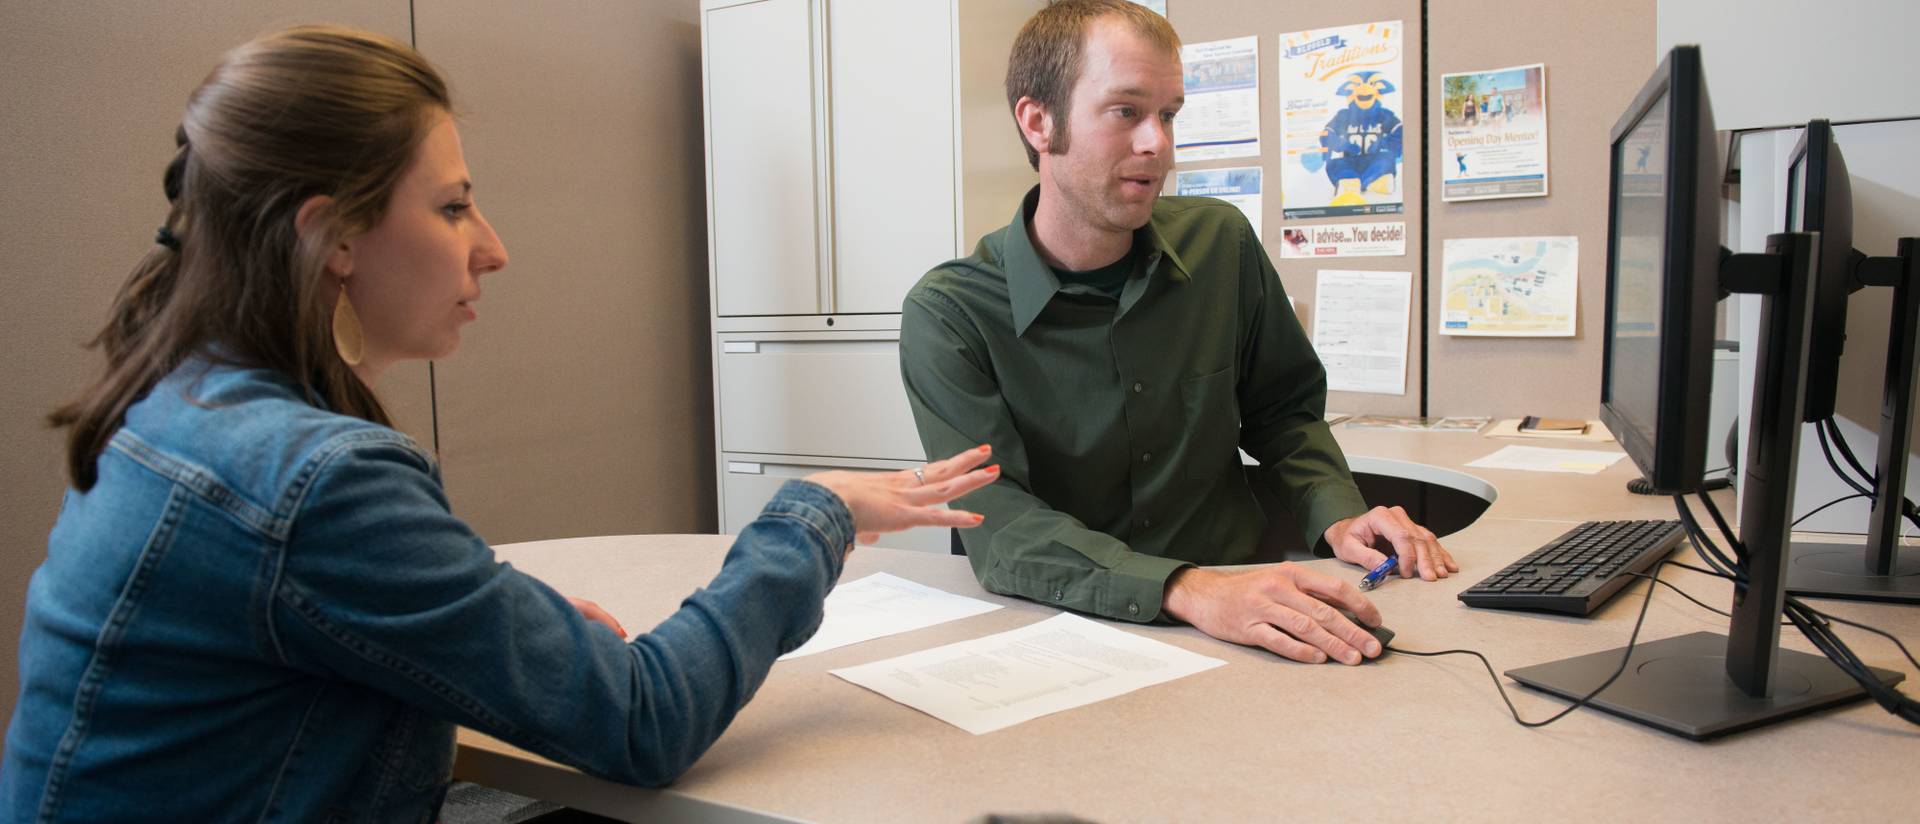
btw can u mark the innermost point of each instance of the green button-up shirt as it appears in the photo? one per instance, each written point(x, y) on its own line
point(1115, 423)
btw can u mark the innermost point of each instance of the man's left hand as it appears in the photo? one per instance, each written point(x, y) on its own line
point(1361, 540)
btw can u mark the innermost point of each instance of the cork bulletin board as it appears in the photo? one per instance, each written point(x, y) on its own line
point(1596, 57)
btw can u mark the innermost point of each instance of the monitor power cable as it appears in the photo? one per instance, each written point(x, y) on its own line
point(1831, 438)
point(1812, 623)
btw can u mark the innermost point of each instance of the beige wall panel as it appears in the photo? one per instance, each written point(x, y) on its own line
point(1597, 55)
point(91, 93)
point(1200, 21)
point(581, 402)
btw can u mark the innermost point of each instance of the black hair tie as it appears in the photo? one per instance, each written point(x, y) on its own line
point(165, 237)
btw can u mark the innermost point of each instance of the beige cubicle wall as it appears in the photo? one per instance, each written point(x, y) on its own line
point(92, 92)
point(1597, 55)
point(578, 404)
point(1200, 21)
point(581, 403)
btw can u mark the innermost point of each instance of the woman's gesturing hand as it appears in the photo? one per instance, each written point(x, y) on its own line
point(893, 501)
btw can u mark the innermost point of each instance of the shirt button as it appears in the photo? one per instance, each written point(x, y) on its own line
point(1146, 457)
point(1133, 609)
point(1059, 595)
point(1146, 522)
point(1139, 387)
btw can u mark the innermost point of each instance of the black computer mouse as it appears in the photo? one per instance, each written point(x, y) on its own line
point(1379, 633)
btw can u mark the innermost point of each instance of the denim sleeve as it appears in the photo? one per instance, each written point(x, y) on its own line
point(382, 586)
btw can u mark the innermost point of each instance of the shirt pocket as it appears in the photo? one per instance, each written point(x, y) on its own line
point(1212, 425)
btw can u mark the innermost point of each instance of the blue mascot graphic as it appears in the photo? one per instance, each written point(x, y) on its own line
point(1362, 141)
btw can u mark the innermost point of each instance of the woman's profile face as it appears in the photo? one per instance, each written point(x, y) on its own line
point(416, 275)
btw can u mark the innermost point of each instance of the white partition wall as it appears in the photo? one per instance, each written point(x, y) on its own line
point(1774, 63)
point(1886, 206)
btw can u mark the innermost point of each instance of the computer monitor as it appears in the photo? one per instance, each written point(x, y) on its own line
point(1665, 271)
point(1663, 256)
point(1820, 199)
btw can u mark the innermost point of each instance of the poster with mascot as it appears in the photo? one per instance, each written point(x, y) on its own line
point(1340, 125)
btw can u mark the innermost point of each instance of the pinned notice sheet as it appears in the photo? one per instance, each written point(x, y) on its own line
point(880, 605)
point(1001, 680)
point(1360, 330)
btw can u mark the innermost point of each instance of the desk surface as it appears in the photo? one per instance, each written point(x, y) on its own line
point(1261, 738)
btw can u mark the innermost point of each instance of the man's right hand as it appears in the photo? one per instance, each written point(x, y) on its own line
point(1288, 609)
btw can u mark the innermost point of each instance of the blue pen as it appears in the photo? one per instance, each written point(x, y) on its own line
point(1379, 573)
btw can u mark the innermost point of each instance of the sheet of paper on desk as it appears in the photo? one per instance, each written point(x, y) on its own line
point(1542, 459)
point(880, 605)
point(1001, 680)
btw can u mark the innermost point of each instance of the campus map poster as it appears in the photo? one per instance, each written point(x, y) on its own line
point(1221, 117)
point(1510, 286)
point(1340, 129)
point(1493, 134)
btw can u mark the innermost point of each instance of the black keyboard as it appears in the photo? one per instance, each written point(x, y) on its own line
point(1577, 572)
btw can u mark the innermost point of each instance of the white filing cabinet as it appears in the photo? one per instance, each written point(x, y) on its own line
point(851, 146)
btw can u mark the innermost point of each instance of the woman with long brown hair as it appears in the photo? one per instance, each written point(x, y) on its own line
point(256, 603)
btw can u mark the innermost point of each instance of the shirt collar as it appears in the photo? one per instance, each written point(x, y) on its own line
point(1031, 283)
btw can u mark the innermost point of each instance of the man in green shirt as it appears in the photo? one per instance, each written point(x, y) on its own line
point(1115, 347)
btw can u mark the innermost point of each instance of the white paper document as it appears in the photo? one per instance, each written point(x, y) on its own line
point(1542, 459)
point(880, 605)
point(1001, 680)
point(1221, 117)
point(1360, 330)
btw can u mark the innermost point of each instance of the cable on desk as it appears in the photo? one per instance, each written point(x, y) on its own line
point(1811, 622)
point(1625, 656)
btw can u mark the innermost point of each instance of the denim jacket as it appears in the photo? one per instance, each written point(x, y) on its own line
point(264, 611)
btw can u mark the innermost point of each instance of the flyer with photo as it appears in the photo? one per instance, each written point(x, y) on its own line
point(1344, 240)
point(1493, 134)
point(1221, 117)
point(1238, 186)
point(1340, 130)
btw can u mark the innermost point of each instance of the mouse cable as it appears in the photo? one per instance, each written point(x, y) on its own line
point(1625, 656)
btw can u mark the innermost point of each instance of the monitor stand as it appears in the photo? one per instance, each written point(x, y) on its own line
point(1680, 685)
point(1705, 684)
point(1880, 570)
point(1819, 570)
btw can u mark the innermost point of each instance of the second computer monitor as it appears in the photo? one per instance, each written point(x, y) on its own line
point(1820, 199)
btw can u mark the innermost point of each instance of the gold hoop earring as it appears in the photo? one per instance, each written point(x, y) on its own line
point(348, 338)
